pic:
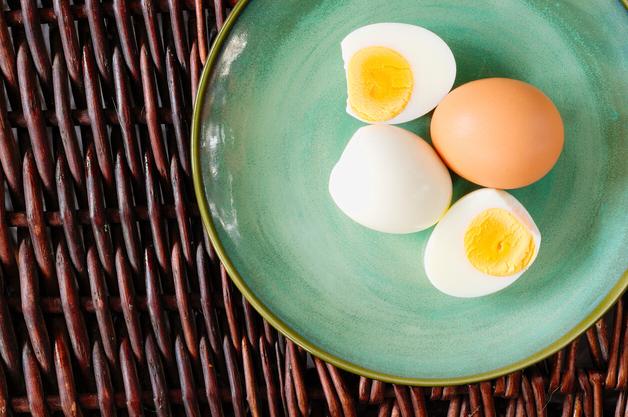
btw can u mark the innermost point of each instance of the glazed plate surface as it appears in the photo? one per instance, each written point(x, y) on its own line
point(270, 123)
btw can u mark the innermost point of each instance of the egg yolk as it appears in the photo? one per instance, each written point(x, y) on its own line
point(498, 244)
point(379, 83)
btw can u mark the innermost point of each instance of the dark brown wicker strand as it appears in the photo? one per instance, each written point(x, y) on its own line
point(112, 300)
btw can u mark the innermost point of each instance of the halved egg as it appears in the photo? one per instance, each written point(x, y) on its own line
point(484, 242)
point(395, 72)
point(390, 180)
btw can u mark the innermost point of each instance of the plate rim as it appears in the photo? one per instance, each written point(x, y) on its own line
point(604, 305)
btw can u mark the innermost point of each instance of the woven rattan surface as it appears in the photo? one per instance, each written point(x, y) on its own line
point(111, 299)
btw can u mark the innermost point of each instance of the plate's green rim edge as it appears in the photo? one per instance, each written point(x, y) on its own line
point(607, 302)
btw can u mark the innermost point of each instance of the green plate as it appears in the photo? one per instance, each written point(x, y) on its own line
point(270, 123)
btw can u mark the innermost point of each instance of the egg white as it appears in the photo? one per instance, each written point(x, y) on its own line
point(431, 61)
point(390, 180)
point(446, 263)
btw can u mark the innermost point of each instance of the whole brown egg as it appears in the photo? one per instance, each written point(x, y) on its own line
point(498, 132)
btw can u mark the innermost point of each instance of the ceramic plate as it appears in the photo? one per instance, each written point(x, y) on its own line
point(270, 123)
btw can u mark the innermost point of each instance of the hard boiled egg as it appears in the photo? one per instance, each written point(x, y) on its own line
point(498, 132)
point(390, 180)
point(395, 72)
point(483, 244)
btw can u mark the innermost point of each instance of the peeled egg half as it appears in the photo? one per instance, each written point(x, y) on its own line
point(485, 241)
point(390, 180)
point(395, 72)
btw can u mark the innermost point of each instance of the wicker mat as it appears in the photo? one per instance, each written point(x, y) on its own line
point(111, 299)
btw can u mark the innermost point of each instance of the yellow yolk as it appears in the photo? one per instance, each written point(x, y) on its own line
point(379, 83)
point(498, 244)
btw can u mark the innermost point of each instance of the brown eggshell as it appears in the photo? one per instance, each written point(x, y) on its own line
point(498, 132)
